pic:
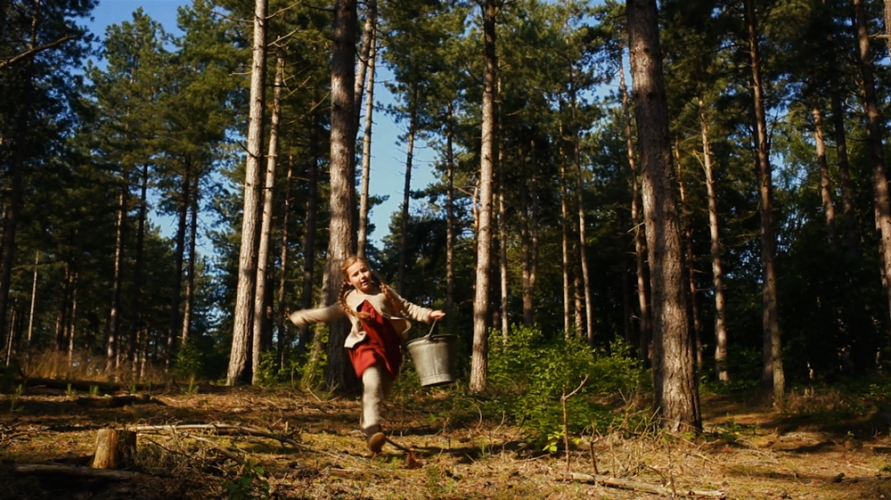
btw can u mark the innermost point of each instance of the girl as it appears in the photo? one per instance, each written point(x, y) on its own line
point(375, 340)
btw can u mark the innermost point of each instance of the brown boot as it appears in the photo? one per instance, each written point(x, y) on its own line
point(375, 438)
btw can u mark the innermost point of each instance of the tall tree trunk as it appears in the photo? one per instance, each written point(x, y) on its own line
point(179, 256)
point(772, 376)
point(691, 269)
point(888, 25)
point(640, 244)
point(565, 245)
point(190, 280)
point(309, 240)
point(284, 339)
point(406, 193)
point(343, 146)
point(136, 315)
point(525, 240)
point(72, 321)
point(450, 216)
point(261, 309)
point(33, 302)
point(480, 355)
point(874, 138)
point(583, 254)
point(715, 238)
point(62, 316)
point(674, 374)
point(366, 151)
point(825, 183)
point(112, 342)
point(247, 261)
point(502, 235)
point(852, 239)
point(366, 57)
point(16, 173)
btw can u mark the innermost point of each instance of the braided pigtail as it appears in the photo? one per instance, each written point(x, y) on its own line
point(395, 304)
point(345, 288)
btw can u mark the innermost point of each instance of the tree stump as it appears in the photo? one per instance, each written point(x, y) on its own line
point(114, 449)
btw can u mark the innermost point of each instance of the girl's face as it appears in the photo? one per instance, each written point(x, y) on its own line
point(359, 276)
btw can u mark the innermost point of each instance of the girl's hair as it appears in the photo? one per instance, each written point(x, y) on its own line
point(347, 286)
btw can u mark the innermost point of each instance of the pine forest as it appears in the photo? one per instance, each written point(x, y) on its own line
point(657, 204)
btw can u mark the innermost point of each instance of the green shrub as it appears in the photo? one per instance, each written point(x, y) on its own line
point(531, 374)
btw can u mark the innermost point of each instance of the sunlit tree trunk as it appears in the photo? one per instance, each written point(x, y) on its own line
point(450, 217)
point(502, 236)
point(366, 153)
point(136, 316)
point(772, 376)
point(640, 244)
point(583, 254)
point(33, 301)
point(876, 152)
point(406, 193)
point(343, 147)
point(479, 360)
point(309, 240)
point(261, 303)
point(825, 183)
point(190, 276)
point(715, 238)
point(691, 269)
point(565, 246)
point(284, 339)
point(112, 342)
point(72, 321)
point(674, 374)
point(179, 253)
point(247, 260)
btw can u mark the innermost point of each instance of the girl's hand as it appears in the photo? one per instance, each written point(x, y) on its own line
point(436, 315)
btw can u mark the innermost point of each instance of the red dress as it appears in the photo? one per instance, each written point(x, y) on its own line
point(381, 345)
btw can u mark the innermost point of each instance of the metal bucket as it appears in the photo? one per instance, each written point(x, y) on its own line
point(433, 357)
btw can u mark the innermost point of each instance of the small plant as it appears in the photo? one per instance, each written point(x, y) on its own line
point(251, 483)
point(71, 392)
point(94, 390)
point(193, 387)
point(14, 399)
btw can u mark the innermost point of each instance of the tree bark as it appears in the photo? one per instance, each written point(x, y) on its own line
point(480, 356)
point(406, 193)
point(640, 244)
point(852, 239)
point(825, 183)
point(343, 146)
point(261, 304)
point(190, 281)
point(309, 241)
point(772, 376)
point(874, 139)
point(112, 342)
point(674, 374)
point(72, 321)
point(565, 247)
point(33, 302)
point(691, 269)
point(583, 254)
point(715, 238)
point(502, 240)
point(136, 316)
point(114, 449)
point(366, 148)
point(284, 338)
point(450, 216)
point(179, 256)
point(247, 261)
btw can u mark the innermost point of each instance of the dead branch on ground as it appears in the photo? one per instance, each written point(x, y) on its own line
point(626, 484)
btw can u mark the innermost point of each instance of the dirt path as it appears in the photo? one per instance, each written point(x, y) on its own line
point(745, 452)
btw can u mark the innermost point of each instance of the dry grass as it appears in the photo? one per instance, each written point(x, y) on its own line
point(746, 451)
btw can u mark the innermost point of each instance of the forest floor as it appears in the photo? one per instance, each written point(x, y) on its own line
point(309, 447)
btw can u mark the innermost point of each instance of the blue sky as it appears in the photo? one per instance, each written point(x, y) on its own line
point(387, 156)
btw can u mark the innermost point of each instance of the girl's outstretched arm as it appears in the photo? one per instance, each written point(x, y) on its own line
point(319, 315)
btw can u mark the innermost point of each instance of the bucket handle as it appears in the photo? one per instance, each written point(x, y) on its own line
point(431, 330)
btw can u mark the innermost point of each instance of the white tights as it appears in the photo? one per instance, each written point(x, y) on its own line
point(376, 384)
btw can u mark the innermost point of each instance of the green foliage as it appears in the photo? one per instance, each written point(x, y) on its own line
point(14, 399)
point(744, 366)
point(72, 392)
point(268, 372)
point(250, 483)
point(531, 374)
